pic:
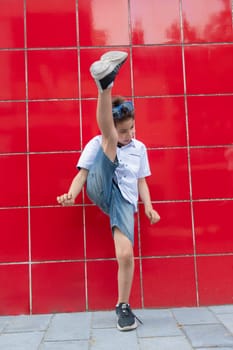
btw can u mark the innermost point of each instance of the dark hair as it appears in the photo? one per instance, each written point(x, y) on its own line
point(125, 113)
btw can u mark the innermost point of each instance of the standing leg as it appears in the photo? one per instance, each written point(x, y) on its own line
point(125, 259)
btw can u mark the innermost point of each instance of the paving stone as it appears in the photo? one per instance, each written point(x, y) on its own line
point(67, 345)
point(216, 348)
point(28, 323)
point(165, 343)
point(74, 326)
point(227, 320)
point(222, 309)
point(21, 341)
point(106, 339)
point(104, 319)
point(4, 320)
point(194, 316)
point(209, 335)
point(163, 329)
point(157, 323)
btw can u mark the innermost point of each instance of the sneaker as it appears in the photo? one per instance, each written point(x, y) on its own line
point(126, 318)
point(105, 70)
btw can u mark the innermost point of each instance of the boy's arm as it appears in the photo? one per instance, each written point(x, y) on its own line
point(144, 194)
point(75, 188)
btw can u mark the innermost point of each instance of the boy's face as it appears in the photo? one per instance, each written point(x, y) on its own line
point(125, 130)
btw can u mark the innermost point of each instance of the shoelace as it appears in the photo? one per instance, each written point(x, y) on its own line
point(127, 310)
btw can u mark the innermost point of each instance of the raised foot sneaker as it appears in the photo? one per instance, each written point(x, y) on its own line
point(105, 70)
point(126, 318)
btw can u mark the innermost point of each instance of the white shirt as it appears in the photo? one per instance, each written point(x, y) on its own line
point(133, 165)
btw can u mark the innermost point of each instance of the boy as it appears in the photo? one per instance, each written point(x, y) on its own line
point(114, 166)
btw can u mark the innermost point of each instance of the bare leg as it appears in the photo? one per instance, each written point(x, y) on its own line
point(125, 258)
point(106, 123)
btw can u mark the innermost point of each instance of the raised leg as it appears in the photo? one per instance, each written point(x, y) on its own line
point(104, 72)
point(106, 124)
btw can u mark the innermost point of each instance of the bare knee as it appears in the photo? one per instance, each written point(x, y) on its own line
point(125, 257)
point(123, 247)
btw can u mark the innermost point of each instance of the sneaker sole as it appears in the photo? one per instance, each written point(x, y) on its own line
point(114, 56)
point(100, 69)
point(127, 328)
point(107, 64)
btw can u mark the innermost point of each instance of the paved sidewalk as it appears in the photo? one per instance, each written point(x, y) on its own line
point(163, 329)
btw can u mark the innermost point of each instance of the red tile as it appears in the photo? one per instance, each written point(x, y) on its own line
point(136, 292)
point(99, 236)
point(103, 22)
point(13, 127)
point(207, 21)
point(54, 126)
point(102, 295)
point(173, 282)
point(169, 179)
point(212, 172)
point(14, 297)
point(204, 74)
point(14, 235)
point(59, 23)
point(208, 111)
point(45, 188)
point(162, 70)
point(99, 239)
point(11, 24)
point(89, 124)
point(160, 121)
point(122, 84)
point(57, 233)
point(58, 287)
point(52, 74)
point(215, 279)
point(213, 226)
point(12, 72)
point(13, 181)
point(172, 235)
point(154, 23)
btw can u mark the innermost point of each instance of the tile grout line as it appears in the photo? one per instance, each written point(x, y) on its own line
point(167, 201)
point(159, 148)
point(112, 47)
point(85, 98)
point(188, 151)
point(81, 145)
point(138, 217)
point(145, 257)
point(28, 160)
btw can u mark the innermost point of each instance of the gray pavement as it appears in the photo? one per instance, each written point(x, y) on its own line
point(163, 329)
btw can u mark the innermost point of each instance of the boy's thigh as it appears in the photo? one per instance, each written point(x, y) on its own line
point(121, 214)
point(100, 180)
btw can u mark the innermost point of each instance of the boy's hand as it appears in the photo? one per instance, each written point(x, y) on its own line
point(152, 215)
point(65, 199)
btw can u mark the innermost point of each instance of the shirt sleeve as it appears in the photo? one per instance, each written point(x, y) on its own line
point(144, 169)
point(89, 153)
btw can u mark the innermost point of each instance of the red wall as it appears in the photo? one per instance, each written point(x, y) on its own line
point(179, 74)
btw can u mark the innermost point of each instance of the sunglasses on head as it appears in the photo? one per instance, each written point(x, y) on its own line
point(119, 111)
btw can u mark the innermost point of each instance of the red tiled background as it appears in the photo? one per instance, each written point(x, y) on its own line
point(179, 75)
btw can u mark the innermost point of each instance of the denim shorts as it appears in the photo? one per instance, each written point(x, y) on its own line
point(103, 190)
